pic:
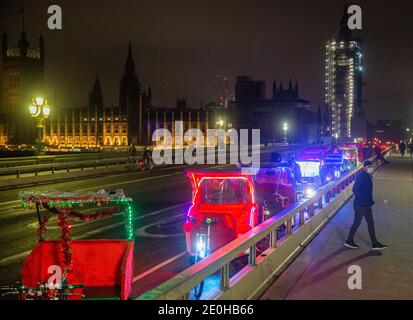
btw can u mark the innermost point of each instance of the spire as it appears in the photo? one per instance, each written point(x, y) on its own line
point(96, 96)
point(96, 85)
point(130, 64)
point(274, 90)
point(130, 49)
point(296, 89)
point(23, 43)
point(345, 33)
point(290, 87)
point(21, 11)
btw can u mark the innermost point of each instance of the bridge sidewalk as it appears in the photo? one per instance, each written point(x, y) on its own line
point(320, 271)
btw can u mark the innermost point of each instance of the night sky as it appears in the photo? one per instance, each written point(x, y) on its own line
point(180, 46)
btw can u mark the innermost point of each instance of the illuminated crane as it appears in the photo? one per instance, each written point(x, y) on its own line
point(222, 90)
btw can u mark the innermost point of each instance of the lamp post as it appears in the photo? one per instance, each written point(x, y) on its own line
point(285, 129)
point(39, 110)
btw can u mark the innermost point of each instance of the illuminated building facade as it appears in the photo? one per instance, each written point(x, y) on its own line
point(133, 121)
point(343, 83)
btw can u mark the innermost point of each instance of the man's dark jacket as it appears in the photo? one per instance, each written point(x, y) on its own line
point(363, 190)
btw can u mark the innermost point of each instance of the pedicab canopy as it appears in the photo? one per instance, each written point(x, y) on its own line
point(226, 181)
point(95, 262)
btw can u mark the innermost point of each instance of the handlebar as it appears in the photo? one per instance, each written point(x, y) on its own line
point(206, 221)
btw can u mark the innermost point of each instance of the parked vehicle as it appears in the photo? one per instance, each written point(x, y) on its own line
point(77, 269)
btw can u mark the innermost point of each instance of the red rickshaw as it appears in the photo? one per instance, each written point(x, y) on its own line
point(227, 204)
point(223, 207)
point(69, 269)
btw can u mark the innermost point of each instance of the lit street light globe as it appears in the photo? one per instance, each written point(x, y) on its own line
point(33, 110)
point(46, 110)
point(39, 110)
point(285, 129)
point(39, 101)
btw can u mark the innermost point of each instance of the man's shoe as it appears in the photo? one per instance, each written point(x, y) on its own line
point(378, 246)
point(351, 245)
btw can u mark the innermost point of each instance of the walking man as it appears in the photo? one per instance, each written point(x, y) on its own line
point(363, 202)
point(402, 147)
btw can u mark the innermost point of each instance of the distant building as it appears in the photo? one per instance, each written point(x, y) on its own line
point(133, 121)
point(92, 126)
point(388, 130)
point(22, 78)
point(254, 111)
point(247, 89)
point(343, 83)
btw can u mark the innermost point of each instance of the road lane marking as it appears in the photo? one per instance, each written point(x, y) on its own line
point(131, 181)
point(18, 256)
point(389, 178)
point(15, 257)
point(106, 185)
point(159, 266)
point(7, 202)
point(142, 230)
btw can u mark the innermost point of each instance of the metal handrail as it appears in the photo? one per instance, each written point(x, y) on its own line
point(52, 166)
point(61, 165)
point(180, 285)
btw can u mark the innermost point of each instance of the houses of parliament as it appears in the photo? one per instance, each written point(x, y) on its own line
point(94, 125)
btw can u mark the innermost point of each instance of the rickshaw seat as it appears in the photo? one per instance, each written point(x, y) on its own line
point(96, 263)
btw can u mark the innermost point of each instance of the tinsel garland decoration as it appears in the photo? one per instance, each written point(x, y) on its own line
point(42, 228)
point(65, 227)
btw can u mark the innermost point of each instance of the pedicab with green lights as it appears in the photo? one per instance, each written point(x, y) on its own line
point(75, 269)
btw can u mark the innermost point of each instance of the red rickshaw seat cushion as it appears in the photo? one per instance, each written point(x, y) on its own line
point(96, 263)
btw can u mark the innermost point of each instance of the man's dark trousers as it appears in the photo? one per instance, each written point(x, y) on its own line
point(359, 213)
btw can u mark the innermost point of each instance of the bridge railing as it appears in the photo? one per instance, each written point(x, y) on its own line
point(309, 221)
point(52, 167)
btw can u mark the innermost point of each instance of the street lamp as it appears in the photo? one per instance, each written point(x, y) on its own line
point(39, 109)
point(220, 123)
point(285, 129)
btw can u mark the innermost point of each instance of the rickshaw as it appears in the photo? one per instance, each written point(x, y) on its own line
point(69, 269)
point(330, 158)
point(224, 206)
point(275, 184)
point(310, 178)
point(227, 204)
point(362, 149)
point(350, 158)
